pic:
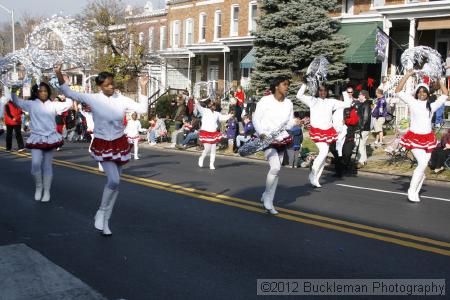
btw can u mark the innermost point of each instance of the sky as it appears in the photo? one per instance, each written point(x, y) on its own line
point(48, 8)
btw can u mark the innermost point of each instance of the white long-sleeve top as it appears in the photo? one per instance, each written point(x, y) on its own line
point(321, 110)
point(108, 112)
point(210, 119)
point(42, 114)
point(133, 128)
point(420, 115)
point(271, 114)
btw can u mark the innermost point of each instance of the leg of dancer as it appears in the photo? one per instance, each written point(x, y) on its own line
point(212, 156)
point(319, 164)
point(274, 158)
point(42, 171)
point(110, 193)
point(37, 157)
point(206, 150)
point(418, 176)
point(136, 148)
point(47, 174)
point(100, 168)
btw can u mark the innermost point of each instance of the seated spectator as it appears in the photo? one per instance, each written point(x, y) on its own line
point(441, 153)
point(178, 135)
point(192, 135)
point(247, 134)
point(157, 129)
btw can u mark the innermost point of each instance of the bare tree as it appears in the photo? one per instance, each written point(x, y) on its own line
point(116, 41)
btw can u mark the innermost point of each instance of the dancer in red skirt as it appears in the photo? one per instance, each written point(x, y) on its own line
point(273, 112)
point(132, 131)
point(420, 138)
point(110, 146)
point(209, 134)
point(322, 131)
point(44, 137)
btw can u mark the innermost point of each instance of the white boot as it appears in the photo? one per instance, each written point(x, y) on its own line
point(200, 161)
point(419, 187)
point(108, 212)
point(47, 185)
point(313, 180)
point(412, 191)
point(318, 174)
point(38, 182)
point(100, 168)
point(99, 216)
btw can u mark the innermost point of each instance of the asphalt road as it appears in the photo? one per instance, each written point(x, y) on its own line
point(181, 232)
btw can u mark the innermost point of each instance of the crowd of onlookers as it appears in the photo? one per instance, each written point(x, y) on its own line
point(181, 129)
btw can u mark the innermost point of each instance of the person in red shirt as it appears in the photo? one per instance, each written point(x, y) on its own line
point(240, 97)
point(13, 122)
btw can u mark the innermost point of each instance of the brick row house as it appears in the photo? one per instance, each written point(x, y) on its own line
point(197, 41)
point(408, 23)
point(405, 23)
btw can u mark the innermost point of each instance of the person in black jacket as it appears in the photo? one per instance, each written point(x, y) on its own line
point(364, 113)
point(343, 161)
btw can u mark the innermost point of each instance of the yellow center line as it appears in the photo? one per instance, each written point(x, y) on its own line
point(286, 214)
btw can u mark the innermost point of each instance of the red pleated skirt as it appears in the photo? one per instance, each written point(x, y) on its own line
point(117, 150)
point(318, 135)
point(413, 140)
point(206, 137)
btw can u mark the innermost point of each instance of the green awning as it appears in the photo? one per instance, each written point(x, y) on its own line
point(249, 60)
point(362, 41)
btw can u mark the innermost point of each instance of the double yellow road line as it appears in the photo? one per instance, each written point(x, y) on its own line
point(385, 235)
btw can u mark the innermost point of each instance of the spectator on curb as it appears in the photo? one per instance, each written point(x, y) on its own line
point(13, 122)
point(364, 114)
point(440, 153)
point(248, 134)
point(232, 126)
point(297, 140)
point(379, 113)
point(157, 129)
point(180, 112)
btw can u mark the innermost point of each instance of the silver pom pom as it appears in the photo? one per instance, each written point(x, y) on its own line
point(257, 144)
point(425, 60)
point(317, 73)
point(56, 40)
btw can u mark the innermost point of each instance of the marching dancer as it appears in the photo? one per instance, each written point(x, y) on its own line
point(44, 137)
point(110, 146)
point(273, 112)
point(420, 138)
point(209, 134)
point(132, 131)
point(322, 132)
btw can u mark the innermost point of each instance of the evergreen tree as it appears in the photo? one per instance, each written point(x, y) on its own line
point(291, 33)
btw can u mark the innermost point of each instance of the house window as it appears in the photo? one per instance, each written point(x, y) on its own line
point(130, 46)
point(176, 34)
point(202, 28)
point(234, 20)
point(189, 35)
point(252, 16)
point(377, 3)
point(150, 39)
point(347, 7)
point(218, 25)
point(162, 38)
point(141, 38)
